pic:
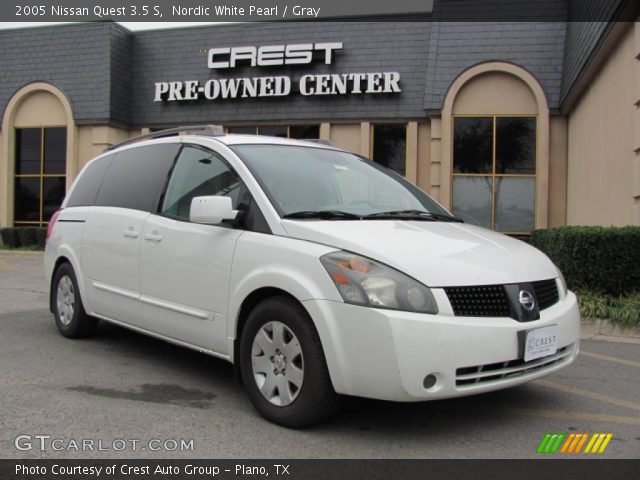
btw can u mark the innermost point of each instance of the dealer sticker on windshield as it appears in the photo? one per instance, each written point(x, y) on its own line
point(540, 342)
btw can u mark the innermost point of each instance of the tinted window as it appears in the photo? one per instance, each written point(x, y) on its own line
point(27, 194)
point(53, 190)
point(137, 177)
point(28, 146)
point(494, 162)
point(274, 131)
point(40, 173)
point(473, 145)
point(86, 189)
point(55, 150)
point(515, 145)
point(304, 132)
point(197, 173)
point(390, 146)
point(245, 130)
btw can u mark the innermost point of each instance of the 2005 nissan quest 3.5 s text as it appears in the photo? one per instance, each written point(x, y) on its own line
point(316, 272)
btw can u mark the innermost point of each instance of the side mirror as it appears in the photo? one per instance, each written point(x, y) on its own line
point(211, 209)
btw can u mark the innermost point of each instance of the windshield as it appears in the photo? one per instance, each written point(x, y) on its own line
point(307, 179)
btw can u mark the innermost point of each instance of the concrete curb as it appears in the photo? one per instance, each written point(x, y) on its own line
point(15, 252)
point(593, 328)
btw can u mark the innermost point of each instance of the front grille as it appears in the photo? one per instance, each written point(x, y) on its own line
point(469, 376)
point(546, 292)
point(482, 301)
point(492, 300)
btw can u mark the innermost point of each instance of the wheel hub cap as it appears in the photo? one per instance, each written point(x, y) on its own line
point(65, 300)
point(277, 363)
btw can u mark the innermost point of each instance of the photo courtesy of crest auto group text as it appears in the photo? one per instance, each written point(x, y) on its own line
point(308, 239)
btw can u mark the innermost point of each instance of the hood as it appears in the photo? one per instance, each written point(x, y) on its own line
point(438, 254)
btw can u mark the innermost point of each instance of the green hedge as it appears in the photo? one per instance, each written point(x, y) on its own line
point(605, 259)
point(18, 237)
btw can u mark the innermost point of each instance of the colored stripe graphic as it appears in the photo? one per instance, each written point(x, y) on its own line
point(573, 443)
point(598, 443)
point(551, 442)
point(581, 443)
point(543, 443)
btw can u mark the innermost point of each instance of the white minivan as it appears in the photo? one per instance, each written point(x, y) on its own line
point(316, 272)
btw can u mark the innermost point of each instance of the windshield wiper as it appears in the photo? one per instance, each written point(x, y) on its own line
point(413, 215)
point(393, 214)
point(323, 215)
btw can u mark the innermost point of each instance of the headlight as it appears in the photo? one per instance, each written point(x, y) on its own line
point(362, 281)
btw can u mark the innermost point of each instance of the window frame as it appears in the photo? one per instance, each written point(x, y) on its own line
point(40, 176)
point(493, 175)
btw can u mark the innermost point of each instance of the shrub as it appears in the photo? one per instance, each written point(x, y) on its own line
point(601, 259)
point(10, 237)
point(621, 310)
point(41, 237)
point(27, 236)
point(23, 237)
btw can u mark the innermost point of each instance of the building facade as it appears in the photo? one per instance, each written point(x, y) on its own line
point(511, 125)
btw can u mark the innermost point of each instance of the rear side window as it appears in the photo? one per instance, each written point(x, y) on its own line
point(86, 189)
point(137, 177)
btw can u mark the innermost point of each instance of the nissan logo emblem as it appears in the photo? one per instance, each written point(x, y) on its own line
point(526, 300)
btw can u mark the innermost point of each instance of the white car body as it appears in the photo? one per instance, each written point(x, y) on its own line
point(186, 283)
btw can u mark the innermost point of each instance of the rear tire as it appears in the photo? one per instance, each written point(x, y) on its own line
point(68, 311)
point(283, 365)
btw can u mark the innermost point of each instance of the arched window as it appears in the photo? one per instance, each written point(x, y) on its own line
point(495, 149)
point(39, 140)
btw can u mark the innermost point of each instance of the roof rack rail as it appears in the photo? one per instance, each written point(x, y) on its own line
point(210, 130)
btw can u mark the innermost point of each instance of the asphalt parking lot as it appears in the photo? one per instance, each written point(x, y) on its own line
point(124, 386)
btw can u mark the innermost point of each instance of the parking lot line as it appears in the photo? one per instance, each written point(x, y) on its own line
point(587, 394)
point(607, 358)
point(566, 415)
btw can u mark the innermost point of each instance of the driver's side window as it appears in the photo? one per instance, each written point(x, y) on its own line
point(198, 172)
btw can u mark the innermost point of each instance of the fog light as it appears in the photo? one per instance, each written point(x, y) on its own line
point(429, 381)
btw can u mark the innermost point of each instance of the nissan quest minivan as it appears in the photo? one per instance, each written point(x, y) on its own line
point(316, 272)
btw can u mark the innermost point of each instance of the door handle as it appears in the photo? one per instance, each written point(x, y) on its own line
point(130, 233)
point(153, 237)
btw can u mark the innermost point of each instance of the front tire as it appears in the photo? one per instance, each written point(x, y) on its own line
point(68, 312)
point(283, 366)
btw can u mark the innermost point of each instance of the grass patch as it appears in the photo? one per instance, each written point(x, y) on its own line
point(622, 310)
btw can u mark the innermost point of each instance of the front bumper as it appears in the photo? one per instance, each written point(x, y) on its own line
point(386, 354)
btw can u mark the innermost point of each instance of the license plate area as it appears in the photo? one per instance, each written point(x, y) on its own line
point(540, 342)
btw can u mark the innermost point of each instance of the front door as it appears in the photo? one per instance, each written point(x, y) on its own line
point(185, 267)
